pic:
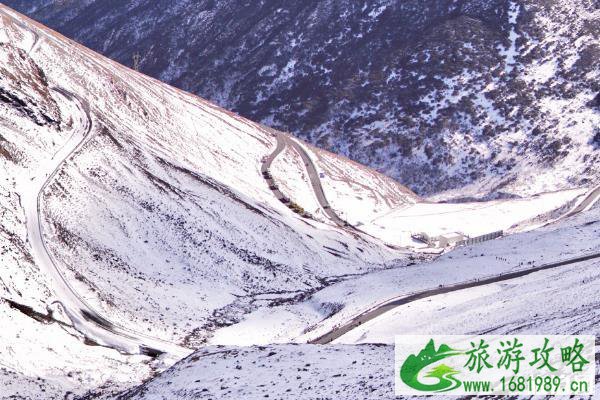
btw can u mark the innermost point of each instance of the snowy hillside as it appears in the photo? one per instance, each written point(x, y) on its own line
point(338, 304)
point(139, 223)
point(356, 368)
point(511, 306)
point(286, 371)
point(492, 98)
point(279, 372)
point(135, 216)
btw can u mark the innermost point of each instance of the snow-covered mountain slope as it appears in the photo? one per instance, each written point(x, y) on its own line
point(359, 364)
point(487, 97)
point(135, 216)
point(486, 310)
point(165, 189)
point(340, 303)
point(354, 191)
point(137, 223)
point(470, 218)
point(287, 372)
point(46, 360)
point(279, 372)
point(153, 208)
point(41, 356)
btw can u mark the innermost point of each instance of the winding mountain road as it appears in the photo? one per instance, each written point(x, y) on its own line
point(389, 305)
point(266, 166)
point(101, 330)
point(315, 181)
point(85, 319)
point(284, 141)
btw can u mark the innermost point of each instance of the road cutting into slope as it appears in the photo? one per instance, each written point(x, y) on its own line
point(282, 142)
point(266, 167)
point(391, 304)
point(591, 198)
point(315, 181)
point(95, 327)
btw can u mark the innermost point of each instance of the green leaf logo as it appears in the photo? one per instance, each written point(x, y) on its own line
point(409, 372)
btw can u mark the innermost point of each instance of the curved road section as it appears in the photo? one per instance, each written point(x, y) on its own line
point(283, 141)
point(400, 301)
point(315, 181)
point(85, 319)
point(266, 166)
point(591, 198)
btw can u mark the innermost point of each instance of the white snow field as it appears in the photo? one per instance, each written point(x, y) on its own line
point(359, 365)
point(559, 301)
point(277, 372)
point(136, 227)
point(471, 219)
point(562, 300)
point(352, 372)
point(134, 218)
point(339, 303)
point(356, 192)
point(159, 216)
point(383, 209)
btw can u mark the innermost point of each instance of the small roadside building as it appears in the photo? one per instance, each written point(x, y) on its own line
point(441, 241)
point(449, 239)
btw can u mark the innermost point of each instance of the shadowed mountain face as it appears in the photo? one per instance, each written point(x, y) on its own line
point(490, 97)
